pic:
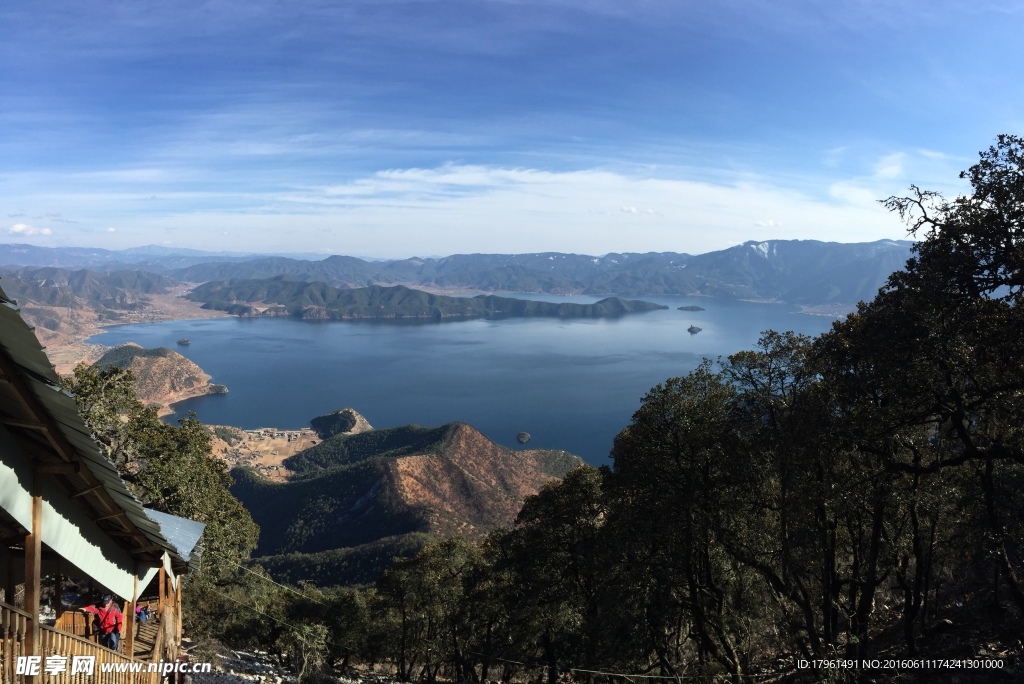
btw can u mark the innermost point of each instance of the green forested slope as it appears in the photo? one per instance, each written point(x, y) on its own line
point(357, 499)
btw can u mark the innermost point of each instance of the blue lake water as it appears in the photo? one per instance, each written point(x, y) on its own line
point(571, 384)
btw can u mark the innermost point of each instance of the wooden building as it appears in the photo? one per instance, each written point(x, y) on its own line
point(66, 513)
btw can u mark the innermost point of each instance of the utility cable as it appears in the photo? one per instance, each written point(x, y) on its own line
point(255, 610)
point(268, 579)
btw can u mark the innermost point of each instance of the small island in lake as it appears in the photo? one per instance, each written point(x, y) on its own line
point(282, 296)
point(693, 330)
point(692, 307)
point(184, 341)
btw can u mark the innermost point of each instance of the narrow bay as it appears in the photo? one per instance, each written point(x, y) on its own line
point(572, 384)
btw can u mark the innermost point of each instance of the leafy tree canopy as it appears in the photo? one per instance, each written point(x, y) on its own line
point(167, 467)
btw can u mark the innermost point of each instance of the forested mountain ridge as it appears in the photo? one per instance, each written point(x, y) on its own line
point(796, 271)
point(381, 493)
point(282, 296)
point(82, 288)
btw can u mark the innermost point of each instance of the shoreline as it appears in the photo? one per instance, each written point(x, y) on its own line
point(66, 349)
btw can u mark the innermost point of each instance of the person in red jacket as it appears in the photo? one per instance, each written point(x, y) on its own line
point(110, 620)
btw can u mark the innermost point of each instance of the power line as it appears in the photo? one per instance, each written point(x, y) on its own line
point(268, 579)
point(255, 610)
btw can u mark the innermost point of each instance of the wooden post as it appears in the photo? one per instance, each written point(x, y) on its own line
point(168, 591)
point(160, 589)
point(129, 622)
point(33, 567)
point(178, 608)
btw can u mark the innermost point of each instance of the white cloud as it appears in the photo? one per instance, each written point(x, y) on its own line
point(890, 166)
point(25, 229)
point(454, 208)
point(457, 209)
point(891, 174)
point(111, 230)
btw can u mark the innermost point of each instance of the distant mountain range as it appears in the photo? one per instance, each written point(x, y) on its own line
point(282, 296)
point(158, 258)
point(796, 271)
point(357, 500)
point(50, 286)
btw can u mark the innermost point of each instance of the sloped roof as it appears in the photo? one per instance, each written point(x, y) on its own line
point(182, 533)
point(45, 420)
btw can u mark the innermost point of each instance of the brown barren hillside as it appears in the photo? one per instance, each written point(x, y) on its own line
point(355, 500)
point(162, 376)
point(473, 485)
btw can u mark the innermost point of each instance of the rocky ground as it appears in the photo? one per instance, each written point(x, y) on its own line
point(241, 667)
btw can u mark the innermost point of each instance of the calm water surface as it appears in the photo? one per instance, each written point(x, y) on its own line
point(571, 384)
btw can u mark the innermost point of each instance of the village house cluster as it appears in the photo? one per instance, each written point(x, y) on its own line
point(265, 448)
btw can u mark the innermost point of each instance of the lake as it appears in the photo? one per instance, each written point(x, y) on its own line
point(571, 384)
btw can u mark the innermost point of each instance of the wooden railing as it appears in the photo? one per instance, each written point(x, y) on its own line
point(57, 643)
point(14, 628)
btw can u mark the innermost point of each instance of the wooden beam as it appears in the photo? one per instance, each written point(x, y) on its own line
point(90, 490)
point(160, 589)
point(110, 516)
point(58, 468)
point(33, 568)
point(27, 424)
point(146, 549)
point(130, 624)
point(177, 609)
point(127, 535)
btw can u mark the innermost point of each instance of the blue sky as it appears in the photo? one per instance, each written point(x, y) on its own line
point(426, 127)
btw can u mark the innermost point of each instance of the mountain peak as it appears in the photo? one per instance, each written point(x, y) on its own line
point(376, 493)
